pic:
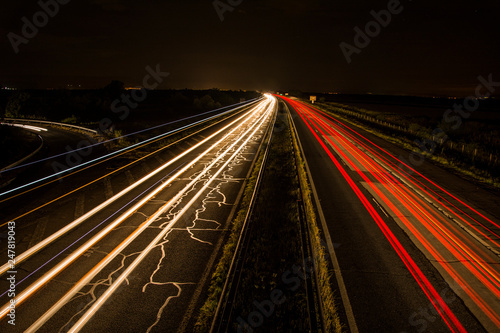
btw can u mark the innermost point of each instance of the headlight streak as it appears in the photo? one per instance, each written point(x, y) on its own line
point(92, 310)
point(30, 127)
point(88, 232)
point(233, 107)
point(21, 297)
point(57, 174)
point(23, 256)
point(437, 301)
point(97, 179)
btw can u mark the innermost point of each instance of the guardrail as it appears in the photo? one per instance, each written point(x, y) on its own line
point(52, 123)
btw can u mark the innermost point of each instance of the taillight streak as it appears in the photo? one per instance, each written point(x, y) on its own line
point(437, 301)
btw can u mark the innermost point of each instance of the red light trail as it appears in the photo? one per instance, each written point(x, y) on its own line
point(459, 257)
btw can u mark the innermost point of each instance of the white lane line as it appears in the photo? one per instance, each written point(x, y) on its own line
point(380, 207)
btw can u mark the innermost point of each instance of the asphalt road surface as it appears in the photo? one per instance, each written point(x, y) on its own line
point(128, 251)
point(417, 247)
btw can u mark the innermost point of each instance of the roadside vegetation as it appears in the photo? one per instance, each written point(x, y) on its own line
point(273, 259)
point(472, 149)
point(93, 108)
point(327, 296)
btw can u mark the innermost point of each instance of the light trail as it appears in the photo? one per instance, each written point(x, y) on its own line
point(105, 296)
point(463, 252)
point(21, 297)
point(88, 232)
point(30, 127)
point(23, 256)
point(404, 174)
point(483, 271)
point(58, 174)
point(443, 240)
point(99, 178)
point(379, 172)
point(439, 304)
point(234, 107)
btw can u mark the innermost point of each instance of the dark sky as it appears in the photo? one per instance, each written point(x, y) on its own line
point(431, 47)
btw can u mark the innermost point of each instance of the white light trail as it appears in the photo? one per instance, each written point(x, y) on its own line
point(26, 254)
point(93, 309)
point(30, 127)
point(68, 260)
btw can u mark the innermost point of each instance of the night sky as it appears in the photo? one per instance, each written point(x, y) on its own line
point(429, 48)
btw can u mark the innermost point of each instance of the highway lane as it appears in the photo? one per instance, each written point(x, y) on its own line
point(211, 183)
point(399, 249)
point(110, 176)
point(88, 158)
point(108, 190)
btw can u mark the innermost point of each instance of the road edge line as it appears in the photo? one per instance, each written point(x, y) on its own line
point(336, 267)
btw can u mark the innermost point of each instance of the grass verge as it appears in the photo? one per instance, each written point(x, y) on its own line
point(272, 291)
point(327, 298)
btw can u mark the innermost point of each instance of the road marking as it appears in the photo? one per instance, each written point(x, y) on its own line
point(380, 207)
